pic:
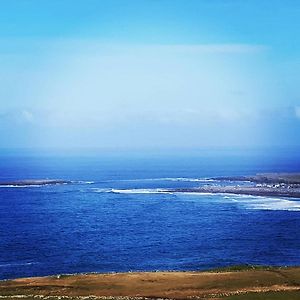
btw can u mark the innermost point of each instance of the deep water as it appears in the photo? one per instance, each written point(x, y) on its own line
point(116, 220)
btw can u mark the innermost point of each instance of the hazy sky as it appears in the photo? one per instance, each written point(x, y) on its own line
point(149, 73)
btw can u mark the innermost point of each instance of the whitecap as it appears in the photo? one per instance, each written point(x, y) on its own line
point(275, 204)
point(16, 264)
point(138, 191)
point(196, 193)
point(21, 186)
point(99, 190)
point(266, 203)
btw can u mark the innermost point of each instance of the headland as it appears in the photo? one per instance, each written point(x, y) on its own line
point(272, 184)
point(30, 182)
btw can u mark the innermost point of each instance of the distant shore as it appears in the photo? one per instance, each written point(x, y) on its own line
point(269, 184)
point(231, 283)
point(275, 178)
point(273, 184)
point(237, 190)
point(28, 182)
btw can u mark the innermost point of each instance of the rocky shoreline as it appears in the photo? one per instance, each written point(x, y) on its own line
point(29, 182)
point(275, 178)
point(245, 190)
point(273, 184)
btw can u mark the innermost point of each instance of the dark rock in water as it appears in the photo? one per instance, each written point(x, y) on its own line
point(29, 182)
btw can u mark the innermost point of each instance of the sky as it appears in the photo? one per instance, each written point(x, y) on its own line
point(149, 74)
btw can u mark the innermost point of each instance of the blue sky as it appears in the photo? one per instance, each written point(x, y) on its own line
point(149, 74)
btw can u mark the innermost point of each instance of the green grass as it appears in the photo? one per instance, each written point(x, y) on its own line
point(237, 268)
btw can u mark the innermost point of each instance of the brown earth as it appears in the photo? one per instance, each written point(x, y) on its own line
point(171, 285)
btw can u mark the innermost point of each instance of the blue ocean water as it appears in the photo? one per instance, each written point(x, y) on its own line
point(115, 219)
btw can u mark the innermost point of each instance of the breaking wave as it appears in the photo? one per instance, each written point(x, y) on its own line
point(132, 191)
point(266, 203)
point(22, 186)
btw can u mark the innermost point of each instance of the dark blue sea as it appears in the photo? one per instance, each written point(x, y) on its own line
point(115, 219)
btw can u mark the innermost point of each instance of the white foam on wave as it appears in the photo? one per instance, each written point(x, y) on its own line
point(276, 204)
point(16, 264)
point(196, 193)
point(255, 202)
point(131, 191)
point(99, 190)
point(139, 191)
point(21, 186)
point(265, 203)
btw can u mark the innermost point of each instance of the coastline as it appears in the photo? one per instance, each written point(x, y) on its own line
point(270, 185)
point(34, 182)
point(267, 184)
point(237, 190)
point(285, 178)
point(215, 284)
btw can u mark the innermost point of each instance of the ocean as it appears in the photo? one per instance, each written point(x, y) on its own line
point(114, 218)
